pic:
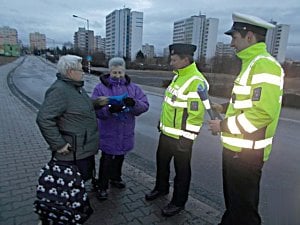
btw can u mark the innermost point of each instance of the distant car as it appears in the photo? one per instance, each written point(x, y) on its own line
point(51, 58)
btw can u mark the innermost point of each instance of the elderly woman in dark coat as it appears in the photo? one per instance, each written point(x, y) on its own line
point(116, 122)
point(67, 110)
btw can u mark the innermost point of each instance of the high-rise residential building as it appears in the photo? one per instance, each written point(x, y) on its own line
point(210, 38)
point(136, 33)
point(99, 44)
point(124, 32)
point(84, 40)
point(8, 36)
point(37, 41)
point(277, 40)
point(148, 50)
point(199, 31)
point(224, 50)
point(166, 52)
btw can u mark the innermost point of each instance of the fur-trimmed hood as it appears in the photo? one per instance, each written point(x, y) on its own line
point(106, 81)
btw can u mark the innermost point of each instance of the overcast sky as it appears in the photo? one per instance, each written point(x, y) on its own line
point(54, 17)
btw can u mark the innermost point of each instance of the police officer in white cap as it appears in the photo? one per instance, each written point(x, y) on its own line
point(251, 119)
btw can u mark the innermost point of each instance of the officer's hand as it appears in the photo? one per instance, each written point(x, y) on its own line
point(214, 125)
point(64, 150)
point(129, 101)
point(115, 108)
point(216, 107)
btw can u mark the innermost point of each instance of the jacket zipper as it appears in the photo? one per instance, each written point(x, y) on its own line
point(174, 120)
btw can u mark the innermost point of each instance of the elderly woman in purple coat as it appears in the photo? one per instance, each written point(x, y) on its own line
point(116, 122)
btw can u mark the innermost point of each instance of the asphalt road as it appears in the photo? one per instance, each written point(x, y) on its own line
point(280, 186)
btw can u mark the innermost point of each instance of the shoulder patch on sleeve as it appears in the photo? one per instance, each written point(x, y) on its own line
point(194, 106)
point(256, 94)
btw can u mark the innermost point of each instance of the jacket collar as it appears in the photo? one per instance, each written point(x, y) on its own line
point(105, 80)
point(252, 51)
point(69, 81)
point(190, 69)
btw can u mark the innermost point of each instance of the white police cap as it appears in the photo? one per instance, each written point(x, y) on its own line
point(249, 23)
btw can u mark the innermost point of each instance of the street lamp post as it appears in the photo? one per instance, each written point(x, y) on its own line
point(87, 21)
point(88, 28)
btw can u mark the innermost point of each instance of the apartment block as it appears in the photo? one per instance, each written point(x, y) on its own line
point(99, 44)
point(84, 40)
point(148, 50)
point(124, 32)
point(199, 31)
point(277, 40)
point(37, 41)
point(224, 50)
point(8, 36)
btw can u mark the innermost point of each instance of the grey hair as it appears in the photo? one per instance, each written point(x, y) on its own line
point(68, 62)
point(116, 61)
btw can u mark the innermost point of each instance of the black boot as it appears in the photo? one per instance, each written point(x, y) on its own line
point(118, 184)
point(171, 210)
point(154, 194)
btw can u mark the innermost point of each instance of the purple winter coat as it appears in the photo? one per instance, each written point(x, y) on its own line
point(117, 134)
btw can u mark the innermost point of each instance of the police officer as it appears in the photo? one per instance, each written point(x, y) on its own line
point(180, 122)
point(251, 119)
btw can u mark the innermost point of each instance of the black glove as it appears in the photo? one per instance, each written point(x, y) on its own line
point(158, 126)
point(115, 108)
point(129, 101)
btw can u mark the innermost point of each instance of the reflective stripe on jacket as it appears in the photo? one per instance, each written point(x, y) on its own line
point(182, 110)
point(253, 113)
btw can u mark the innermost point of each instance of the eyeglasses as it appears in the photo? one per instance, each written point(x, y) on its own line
point(79, 70)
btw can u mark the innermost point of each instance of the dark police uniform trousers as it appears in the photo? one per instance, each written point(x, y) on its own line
point(241, 181)
point(181, 150)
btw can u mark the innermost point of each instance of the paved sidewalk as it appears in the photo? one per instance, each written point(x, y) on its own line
point(23, 152)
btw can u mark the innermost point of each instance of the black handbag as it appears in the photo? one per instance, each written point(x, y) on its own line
point(61, 194)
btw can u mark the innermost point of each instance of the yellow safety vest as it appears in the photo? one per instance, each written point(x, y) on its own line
point(182, 109)
point(253, 113)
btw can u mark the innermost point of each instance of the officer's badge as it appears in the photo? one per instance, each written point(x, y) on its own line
point(256, 94)
point(194, 106)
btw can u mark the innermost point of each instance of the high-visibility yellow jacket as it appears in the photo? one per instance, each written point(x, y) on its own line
point(253, 112)
point(182, 109)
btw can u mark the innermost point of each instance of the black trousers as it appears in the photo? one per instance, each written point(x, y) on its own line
point(181, 151)
point(241, 181)
point(110, 169)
